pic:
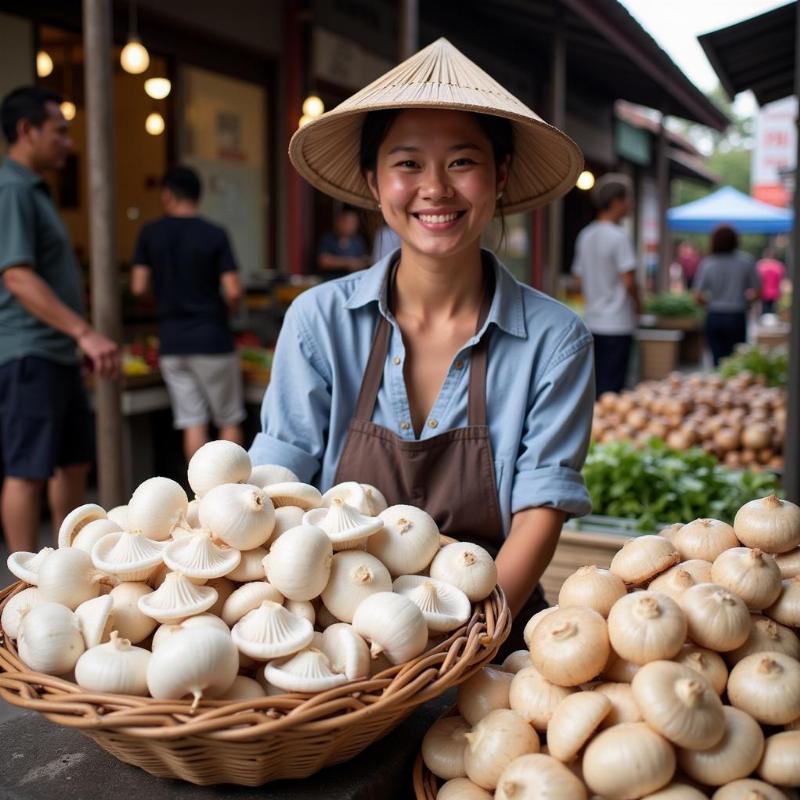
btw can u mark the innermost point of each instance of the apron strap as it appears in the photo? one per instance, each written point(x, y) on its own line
point(476, 398)
point(373, 374)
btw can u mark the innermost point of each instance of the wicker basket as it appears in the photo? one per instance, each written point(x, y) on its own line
point(425, 782)
point(255, 741)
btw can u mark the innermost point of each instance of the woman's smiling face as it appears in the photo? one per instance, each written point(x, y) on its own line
point(436, 180)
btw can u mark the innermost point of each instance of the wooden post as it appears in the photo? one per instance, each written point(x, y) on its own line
point(106, 316)
point(791, 450)
point(297, 225)
point(409, 29)
point(558, 97)
point(662, 181)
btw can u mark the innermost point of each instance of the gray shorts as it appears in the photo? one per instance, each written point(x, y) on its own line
point(203, 389)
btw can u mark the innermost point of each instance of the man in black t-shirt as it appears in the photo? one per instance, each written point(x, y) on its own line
point(189, 263)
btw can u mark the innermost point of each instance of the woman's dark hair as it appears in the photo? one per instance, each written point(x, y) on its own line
point(498, 130)
point(724, 239)
point(26, 102)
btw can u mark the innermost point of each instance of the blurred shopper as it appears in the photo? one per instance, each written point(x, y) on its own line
point(343, 250)
point(689, 259)
point(45, 420)
point(771, 272)
point(726, 282)
point(605, 266)
point(190, 264)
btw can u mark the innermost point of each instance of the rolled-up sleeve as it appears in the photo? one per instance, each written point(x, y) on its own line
point(557, 430)
point(295, 412)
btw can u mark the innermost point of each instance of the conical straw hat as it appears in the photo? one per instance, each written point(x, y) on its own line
point(544, 165)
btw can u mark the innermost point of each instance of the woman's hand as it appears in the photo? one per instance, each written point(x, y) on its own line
point(526, 552)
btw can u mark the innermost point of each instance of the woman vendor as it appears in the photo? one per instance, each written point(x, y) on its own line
point(435, 375)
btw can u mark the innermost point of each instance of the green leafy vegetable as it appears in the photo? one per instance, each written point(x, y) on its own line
point(669, 304)
point(772, 363)
point(653, 484)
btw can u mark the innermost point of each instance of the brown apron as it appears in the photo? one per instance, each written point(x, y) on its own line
point(451, 475)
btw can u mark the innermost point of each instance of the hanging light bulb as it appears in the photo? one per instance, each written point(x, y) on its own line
point(134, 56)
point(585, 180)
point(157, 88)
point(44, 64)
point(313, 106)
point(154, 124)
point(68, 110)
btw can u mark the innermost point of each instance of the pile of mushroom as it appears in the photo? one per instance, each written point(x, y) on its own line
point(739, 421)
point(673, 675)
point(260, 585)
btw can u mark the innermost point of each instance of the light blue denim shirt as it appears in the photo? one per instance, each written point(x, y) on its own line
point(540, 388)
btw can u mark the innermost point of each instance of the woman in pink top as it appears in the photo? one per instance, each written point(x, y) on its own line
point(772, 272)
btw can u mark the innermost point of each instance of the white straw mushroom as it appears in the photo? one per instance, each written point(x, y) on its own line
point(789, 563)
point(127, 556)
point(706, 663)
point(537, 776)
point(674, 582)
point(270, 631)
point(627, 761)
point(25, 566)
point(534, 621)
point(156, 507)
point(407, 542)
point(444, 606)
point(393, 625)
point(646, 626)
point(619, 670)
point(591, 587)
point(467, 566)
point(786, 608)
point(350, 493)
point(76, 520)
point(198, 556)
point(176, 599)
point(735, 756)
point(623, 705)
point(716, 618)
point(500, 737)
point(266, 474)
point(128, 620)
point(535, 698)
point(766, 686)
point(94, 619)
point(354, 575)
point(679, 704)
point(347, 652)
point(298, 565)
point(115, 667)
point(443, 747)
point(516, 661)
point(49, 639)
point(675, 790)
point(485, 691)
point(16, 607)
point(251, 566)
point(642, 558)
point(462, 789)
point(238, 514)
point(748, 789)
point(570, 646)
point(247, 597)
point(290, 493)
point(346, 526)
point(780, 764)
point(216, 463)
point(574, 721)
point(306, 671)
point(286, 518)
point(771, 524)
point(704, 539)
point(766, 636)
point(751, 574)
point(67, 576)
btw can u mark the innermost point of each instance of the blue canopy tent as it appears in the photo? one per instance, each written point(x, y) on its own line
point(732, 207)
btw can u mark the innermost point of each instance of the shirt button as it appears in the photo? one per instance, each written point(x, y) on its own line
point(459, 364)
point(397, 360)
point(405, 426)
point(432, 423)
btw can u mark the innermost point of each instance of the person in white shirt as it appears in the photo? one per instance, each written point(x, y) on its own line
point(605, 268)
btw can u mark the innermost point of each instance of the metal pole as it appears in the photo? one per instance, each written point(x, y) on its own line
point(791, 450)
point(558, 95)
point(409, 28)
point(106, 316)
point(662, 180)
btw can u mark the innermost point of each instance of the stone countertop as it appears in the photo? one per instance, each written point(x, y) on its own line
point(42, 760)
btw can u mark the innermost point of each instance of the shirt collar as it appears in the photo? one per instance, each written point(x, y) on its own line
point(23, 172)
point(506, 311)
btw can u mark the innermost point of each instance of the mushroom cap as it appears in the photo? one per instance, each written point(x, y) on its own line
point(644, 557)
point(15, 608)
point(306, 671)
point(156, 506)
point(444, 606)
point(347, 652)
point(250, 568)
point(247, 597)
point(265, 475)
point(76, 519)
point(197, 556)
point(128, 556)
point(176, 599)
point(294, 493)
point(91, 533)
point(408, 540)
point(270, 631)
point(25, 566)
point(94, 619)
point(350, 492)
point(345, 525)
point(217, 462)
